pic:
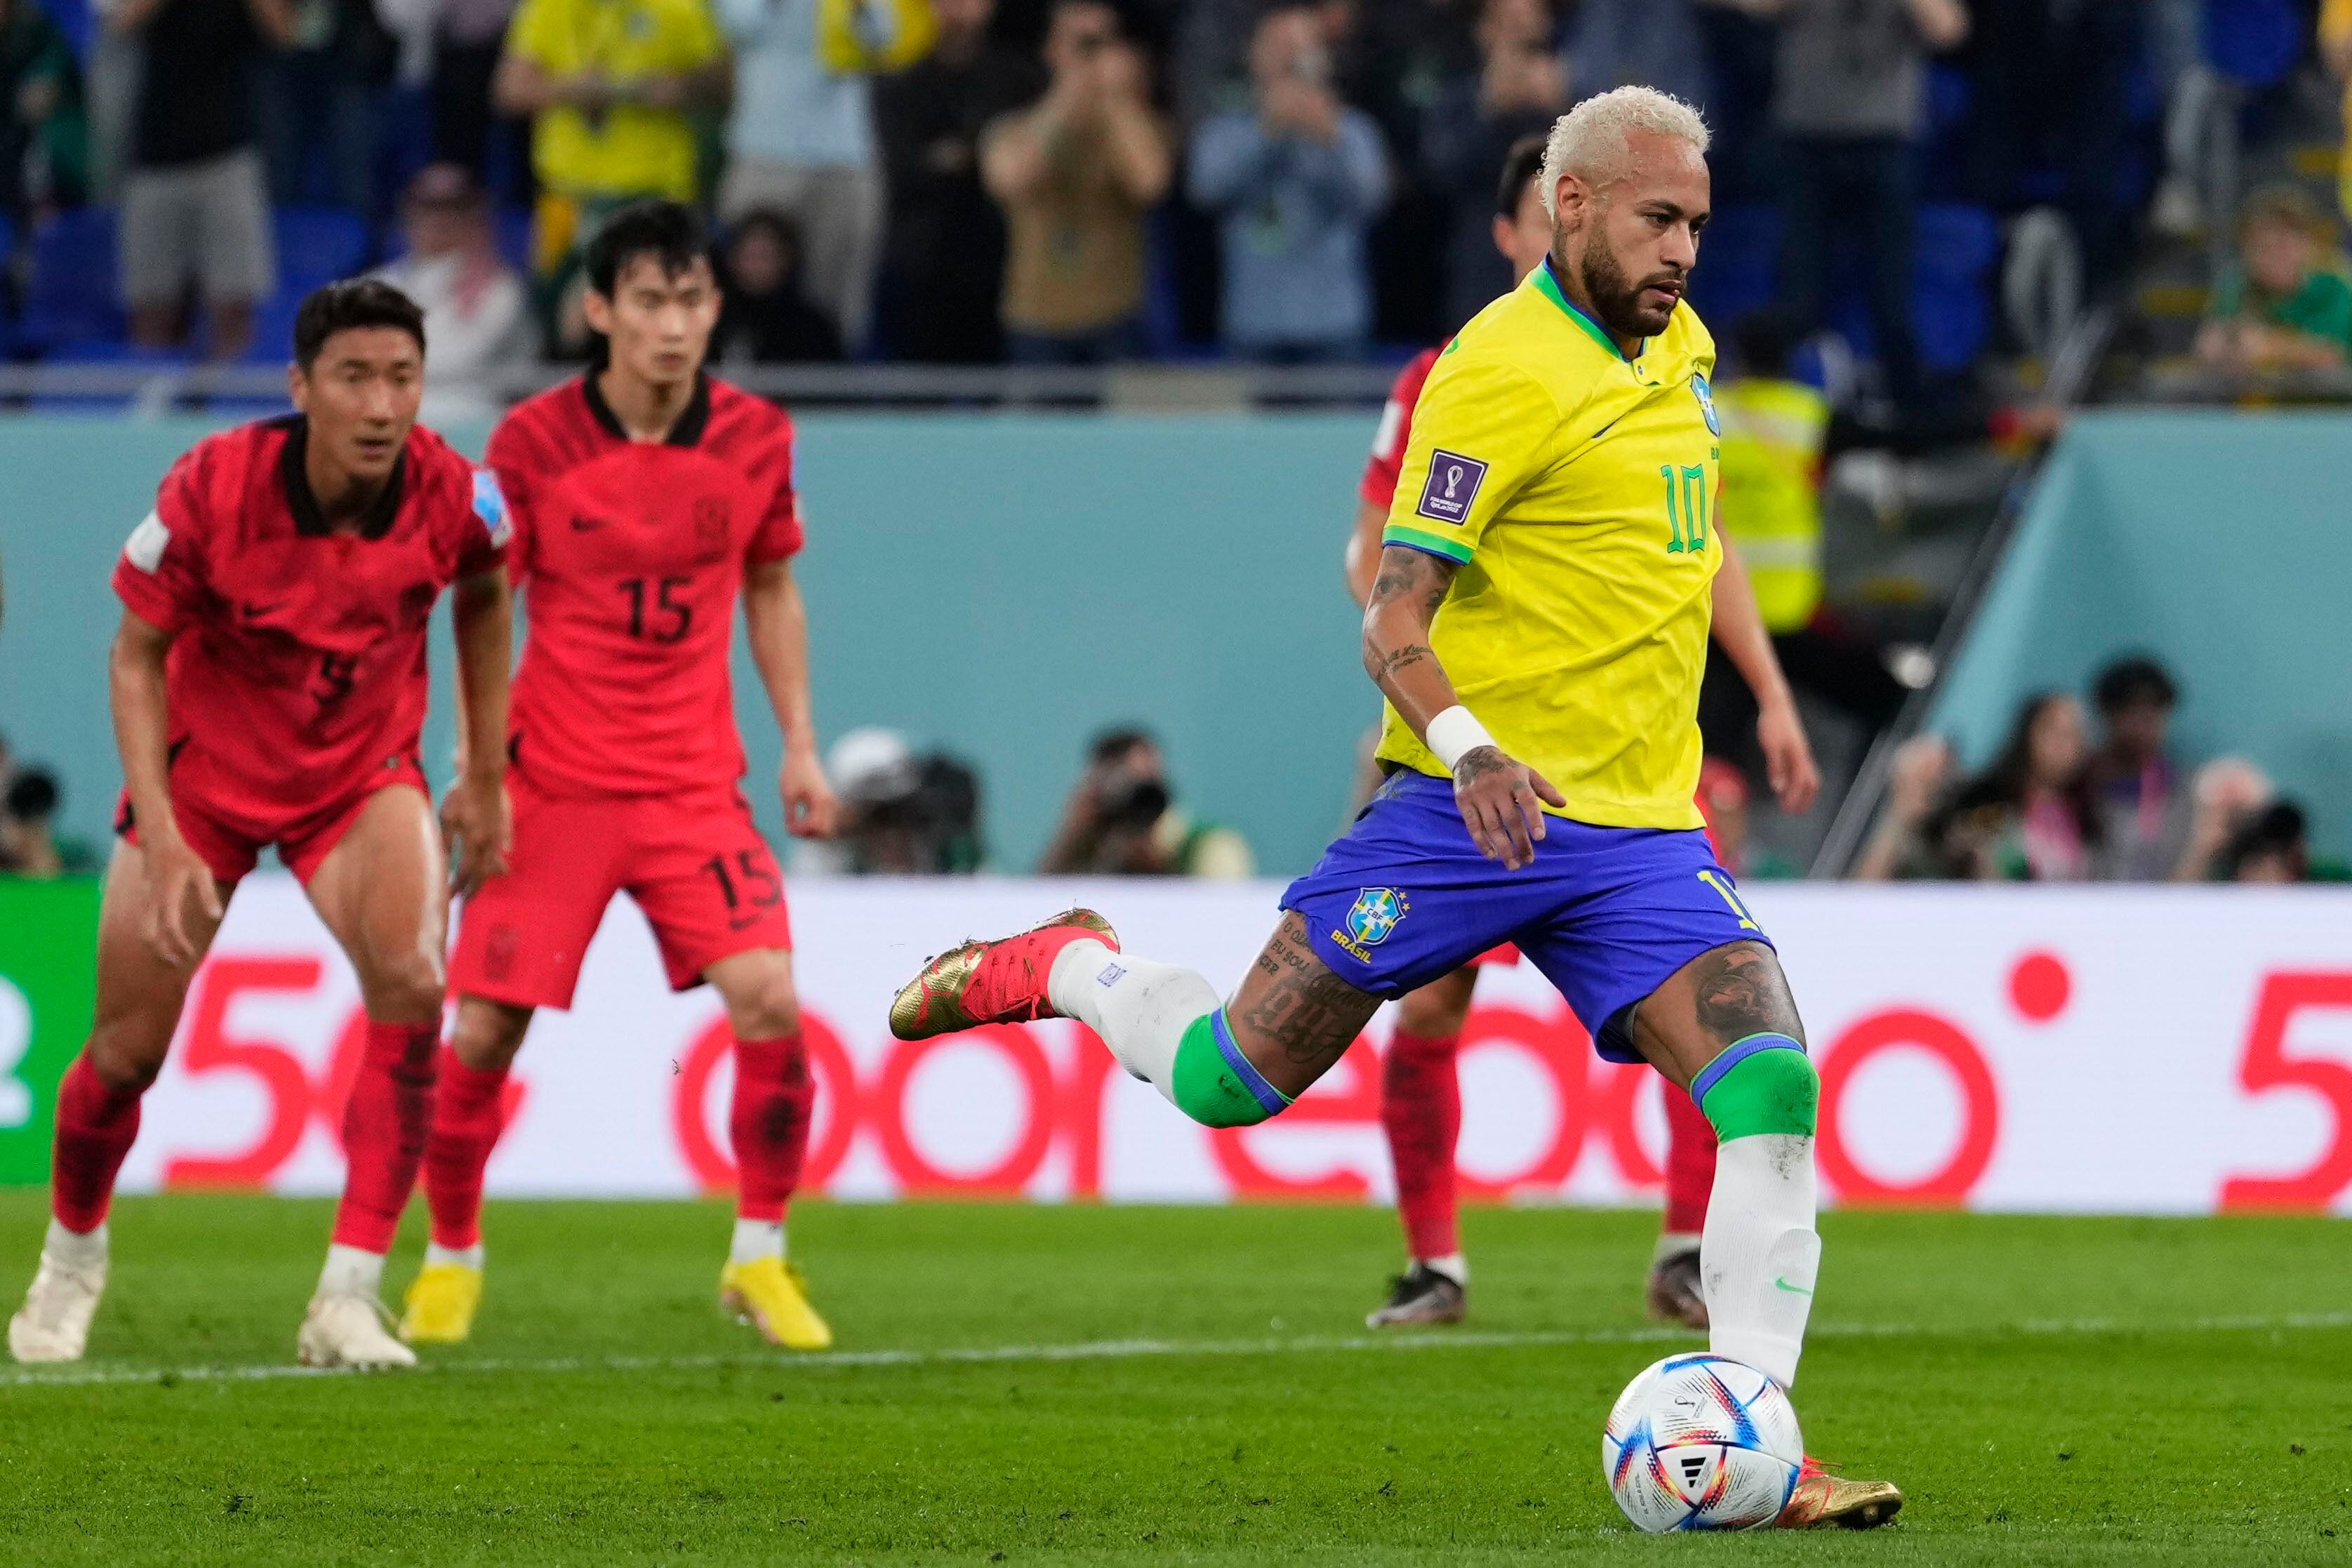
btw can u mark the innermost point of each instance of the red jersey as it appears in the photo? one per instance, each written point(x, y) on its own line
point(1380, 482)
point(299, 664)
point(629, 556)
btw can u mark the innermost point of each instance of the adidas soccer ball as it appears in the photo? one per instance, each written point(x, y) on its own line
point(1698, 1442)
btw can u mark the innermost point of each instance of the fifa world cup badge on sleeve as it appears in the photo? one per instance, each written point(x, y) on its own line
point(490, 506)
point(1452, 484)
point(1373, 915)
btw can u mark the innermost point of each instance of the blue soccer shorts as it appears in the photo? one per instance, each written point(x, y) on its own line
point(1608, 914)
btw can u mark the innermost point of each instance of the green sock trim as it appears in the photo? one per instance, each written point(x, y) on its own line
point(1212, 1085)
point(1770, 1091)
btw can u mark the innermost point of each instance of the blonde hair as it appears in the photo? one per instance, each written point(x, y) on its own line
point(1589, 140)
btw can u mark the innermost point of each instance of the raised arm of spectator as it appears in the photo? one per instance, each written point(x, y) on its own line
point(1350, 175)
point(1235, 160)
point(1140, 154)
point(1017, 150)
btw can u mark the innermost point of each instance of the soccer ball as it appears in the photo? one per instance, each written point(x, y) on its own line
point(1699, 1442)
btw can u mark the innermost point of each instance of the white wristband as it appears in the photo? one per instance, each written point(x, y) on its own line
point(1455, 733)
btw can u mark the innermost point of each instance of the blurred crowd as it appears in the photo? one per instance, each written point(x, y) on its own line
point(30, 845)
point(2063, 803)
point(1056, 181)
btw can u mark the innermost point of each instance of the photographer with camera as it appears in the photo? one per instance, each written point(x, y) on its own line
point(901, 815)
point(1295, 183)
point(1122, 821)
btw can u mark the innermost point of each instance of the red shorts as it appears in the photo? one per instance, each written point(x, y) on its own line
point(694, 863)
point(304, 839)
point(1501, 957)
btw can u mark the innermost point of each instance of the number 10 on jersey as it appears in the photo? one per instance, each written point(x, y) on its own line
point(1685, 506)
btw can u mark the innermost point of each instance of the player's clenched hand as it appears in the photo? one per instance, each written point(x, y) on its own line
point(811, 809)
point(1788, 758)
point(176, 875)
point(1498, 798)
point(477, 831)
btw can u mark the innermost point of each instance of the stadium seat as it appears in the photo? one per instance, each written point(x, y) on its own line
point(70, 295)
point(1958, 245)
point(317, 245)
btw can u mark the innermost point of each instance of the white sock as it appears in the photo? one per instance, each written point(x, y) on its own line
point(350, 1272)
point(1759, 1255)
point(465, 1257)
point(1453, 1266)
point(74, 1250)
point(1140, 1008)
point(755, 1239)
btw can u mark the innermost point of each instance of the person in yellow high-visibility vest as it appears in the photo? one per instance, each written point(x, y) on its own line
point(1775, 429)
point(1772, 436)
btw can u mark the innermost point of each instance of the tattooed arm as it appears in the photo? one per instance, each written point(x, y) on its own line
point(1497, 795)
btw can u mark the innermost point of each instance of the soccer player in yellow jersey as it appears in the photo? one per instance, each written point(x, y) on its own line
point(1537, 626)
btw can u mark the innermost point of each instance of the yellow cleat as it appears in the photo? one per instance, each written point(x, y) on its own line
point(772, 1297)
point(441, 1303)
point(999, 982)
point(1824, 1502)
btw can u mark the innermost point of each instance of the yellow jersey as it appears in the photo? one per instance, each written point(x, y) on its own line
point(1575, 488)
point(631, 149)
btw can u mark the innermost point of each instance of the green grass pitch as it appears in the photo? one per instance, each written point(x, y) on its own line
point(2047, 1391)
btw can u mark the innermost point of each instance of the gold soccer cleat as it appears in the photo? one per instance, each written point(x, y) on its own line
point(441, 1303)
point(1824, 1502)
point(999, 982)
point(771, 1296)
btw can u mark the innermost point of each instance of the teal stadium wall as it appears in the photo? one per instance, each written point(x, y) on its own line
point(2219, 543)
point(1004, 585)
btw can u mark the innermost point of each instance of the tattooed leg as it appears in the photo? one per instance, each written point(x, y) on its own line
point(1223, 1066)
point(1726, 1028)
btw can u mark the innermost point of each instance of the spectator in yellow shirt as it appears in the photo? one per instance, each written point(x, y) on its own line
point(609, 85)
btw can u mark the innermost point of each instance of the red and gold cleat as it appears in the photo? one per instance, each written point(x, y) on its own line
point(1824, 1501)
point(999, 982)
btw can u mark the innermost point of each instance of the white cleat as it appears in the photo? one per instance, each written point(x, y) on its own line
point(55, 1322)
point(352, 1330)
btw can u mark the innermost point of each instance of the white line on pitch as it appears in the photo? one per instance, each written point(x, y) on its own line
point(1129, 1350)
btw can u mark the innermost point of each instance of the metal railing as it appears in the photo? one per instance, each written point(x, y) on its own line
point(151, 389)
point(2071, 369)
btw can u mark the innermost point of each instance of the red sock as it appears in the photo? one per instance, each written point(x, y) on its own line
point(383, 1131)
point(1690, 1163)
point(1420, 1110)
point(768, 1124)
point(96, 1124)
point(469, 1114)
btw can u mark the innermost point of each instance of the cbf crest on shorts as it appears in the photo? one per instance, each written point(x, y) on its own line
point(1705, 395)
point(1371, 919)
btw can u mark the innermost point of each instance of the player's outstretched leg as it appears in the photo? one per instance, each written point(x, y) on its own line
point(1725, 1027)
point(1420, 1113)
point(138, 1009)
point(1674, 1293)
point(768, 1123)
point(469, 1110)
point(1230, 1064)
point(381, 891)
